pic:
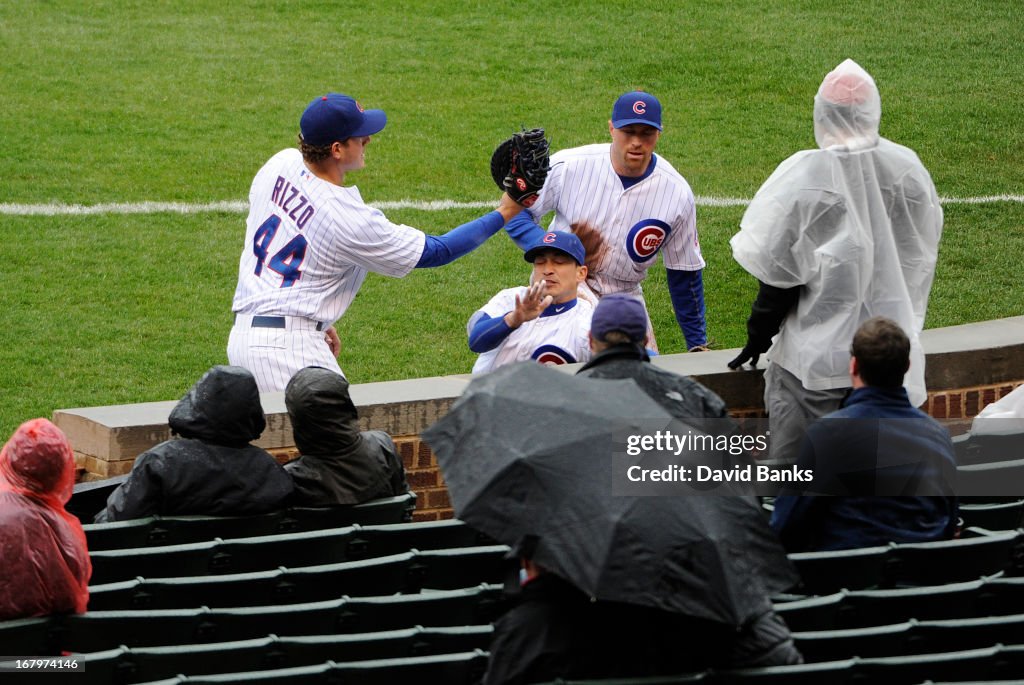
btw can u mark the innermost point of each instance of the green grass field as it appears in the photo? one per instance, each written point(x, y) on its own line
point(126, 102)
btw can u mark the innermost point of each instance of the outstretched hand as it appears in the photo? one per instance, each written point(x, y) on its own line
point(530, 305)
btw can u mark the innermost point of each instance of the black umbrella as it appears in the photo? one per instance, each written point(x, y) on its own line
point(526, 452)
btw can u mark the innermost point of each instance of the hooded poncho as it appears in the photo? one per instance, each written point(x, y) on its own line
point(44, 562)
point(211, 469)
point(856, 225)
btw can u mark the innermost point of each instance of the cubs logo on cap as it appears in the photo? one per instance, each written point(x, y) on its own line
point(552, 355)
point(636, 107)
point(563, 241)
point(336, 117)
point(645, 238)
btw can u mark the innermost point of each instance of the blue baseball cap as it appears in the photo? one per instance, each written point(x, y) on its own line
point(563, 241)
point(636, 107)
point(335, 117)
point(619, 312)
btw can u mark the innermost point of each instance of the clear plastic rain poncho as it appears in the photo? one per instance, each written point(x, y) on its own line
point(856, 223)
point(44, 562)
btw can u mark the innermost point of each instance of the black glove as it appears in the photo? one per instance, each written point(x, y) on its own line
point(519, 165)
point(766, 315)
point(749, 353)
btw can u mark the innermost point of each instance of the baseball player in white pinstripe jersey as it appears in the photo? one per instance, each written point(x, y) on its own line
point(546, 321)
point(310, 242)
point(635, 204)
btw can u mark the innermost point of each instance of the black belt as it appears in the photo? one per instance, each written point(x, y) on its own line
point(276, 322)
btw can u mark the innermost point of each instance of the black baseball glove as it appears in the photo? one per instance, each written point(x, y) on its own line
point(519, 165)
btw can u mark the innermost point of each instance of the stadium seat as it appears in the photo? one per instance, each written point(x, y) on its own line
point(179, 530)
point(310, 548)
point(990, 479)
point(865, 608)
point(813, 613)
point(831, 672)
point(911, 637)
point(153, 663)
point(451, 669)
point(95, 631)
point(852, 569)
point(833, 645)
point(111, 566)
point(89, 498)
point(396, 509)
point(28, 636)
point(949, 561)
point(915, 668)
point(375, 541)
point(450, 569)
point(994, 515)
point(118, 534)
point(986, 449)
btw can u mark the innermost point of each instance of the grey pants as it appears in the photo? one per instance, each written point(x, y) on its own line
point(792, 408)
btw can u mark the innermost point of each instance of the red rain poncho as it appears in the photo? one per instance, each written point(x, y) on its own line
point(44, 562)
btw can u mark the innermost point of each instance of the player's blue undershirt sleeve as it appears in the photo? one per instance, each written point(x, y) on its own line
point(486, 333)
point(523, 230)
point(686, 289)
point(443, 249)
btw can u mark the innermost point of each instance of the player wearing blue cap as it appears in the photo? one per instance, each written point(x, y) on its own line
point(545, 321)
point(634, 204)
point(310, 241)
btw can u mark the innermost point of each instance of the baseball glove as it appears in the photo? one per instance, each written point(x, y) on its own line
point(519, 165)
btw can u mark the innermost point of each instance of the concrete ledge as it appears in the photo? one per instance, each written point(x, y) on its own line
point(107, 439)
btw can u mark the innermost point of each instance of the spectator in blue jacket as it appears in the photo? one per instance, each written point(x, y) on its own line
point(883, 469)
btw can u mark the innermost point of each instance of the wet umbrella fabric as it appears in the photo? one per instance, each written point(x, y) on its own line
point(526, 453)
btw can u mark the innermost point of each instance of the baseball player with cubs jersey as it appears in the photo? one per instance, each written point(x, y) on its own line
point(546, 321)
point(310, 241)
point(633, 204)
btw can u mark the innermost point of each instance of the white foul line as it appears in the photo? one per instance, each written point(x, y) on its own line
point(240, 206)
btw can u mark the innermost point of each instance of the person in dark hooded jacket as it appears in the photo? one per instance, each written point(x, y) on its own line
point(618, 330)
point(339, 464)
point(210, 468)
point(44, 562)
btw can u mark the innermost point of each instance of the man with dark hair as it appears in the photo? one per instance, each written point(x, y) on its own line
point(618, 331)
point(891, 465)
point(546, 321)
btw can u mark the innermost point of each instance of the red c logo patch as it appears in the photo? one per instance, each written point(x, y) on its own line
point(549, 237)
point(640, 107)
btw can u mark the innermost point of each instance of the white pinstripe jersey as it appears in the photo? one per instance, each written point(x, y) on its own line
point(309, 244)
point(552, 338)
point(655, 215)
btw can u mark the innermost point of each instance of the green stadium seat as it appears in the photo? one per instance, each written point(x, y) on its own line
point(101, 630)
point(995, 479)
point(375, 541)
point(118, 534)
point(179, 530)
point(813, 613)
point(90, 498)
point(993, 516)
point(836, 645)
point(830, 672)
point(309, 548)
point(114, 565)
point(949, 561)
point(450, 569)
point(396, 509)
point(915, 668)
point(464, 668)
point(29, 636)
point(987, 449)
point(852, 569)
